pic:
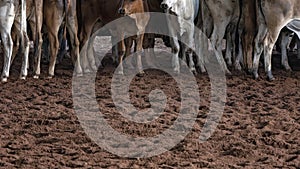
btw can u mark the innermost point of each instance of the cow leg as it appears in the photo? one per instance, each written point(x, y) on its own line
point(16, 41)
point(229, 45)
point(182, 51)
point(284, 44)
point(24, 44)
point(149, 43)
point(63, 46)
point(7, 47)
point(114, 50)
point(73, 31)
point(91, 54)
point(121, 53)
point(247, 43)
point(32, 26)
point(139, 51)
point(25, 64)
point(115, 54)
point(39, 38)
point(202, 47)
point(86, 44)
point(54, 46)
point(6, 23)
point(175, 50)
point(188, 52)
point(128, 47)
point(298, 48)
point(216, 41)
point(259, 39)
point(236, 56)
point(149, 56)
point(268, 48)
point(239, 57)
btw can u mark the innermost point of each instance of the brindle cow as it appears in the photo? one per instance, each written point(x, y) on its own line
point(272, 16)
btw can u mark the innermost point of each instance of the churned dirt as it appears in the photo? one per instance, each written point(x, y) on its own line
point(260, 127)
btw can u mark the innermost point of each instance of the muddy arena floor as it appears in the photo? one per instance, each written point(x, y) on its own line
point(260, 127)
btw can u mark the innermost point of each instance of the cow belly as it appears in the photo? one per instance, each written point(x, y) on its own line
point(295, 27)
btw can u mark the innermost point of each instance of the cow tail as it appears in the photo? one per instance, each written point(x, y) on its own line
point(66, 17)
point(79, 13)
point(260, 12)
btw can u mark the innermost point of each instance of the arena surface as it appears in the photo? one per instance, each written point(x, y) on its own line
point(260, 127)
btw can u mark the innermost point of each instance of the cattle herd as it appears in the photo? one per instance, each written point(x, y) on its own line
point(250, 27)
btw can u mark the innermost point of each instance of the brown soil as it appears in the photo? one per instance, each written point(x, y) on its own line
point(260, 127)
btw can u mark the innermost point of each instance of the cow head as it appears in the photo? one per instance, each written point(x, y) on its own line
point(129, 7)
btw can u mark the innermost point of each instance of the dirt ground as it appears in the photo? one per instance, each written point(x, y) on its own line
point(260, 127)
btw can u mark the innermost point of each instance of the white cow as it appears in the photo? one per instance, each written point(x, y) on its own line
point(185, 10)
point(272, 16)
point(13, 12)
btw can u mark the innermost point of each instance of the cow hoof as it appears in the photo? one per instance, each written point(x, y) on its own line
point(36, 76)
point(194, 72)
point(177, 71)
point(153, 65)
point(23, 77)
point(238, 67)
point(249, 71)
point(288, 68)
point(87, 71)
point(119, 73)
point(255, 76)
point(130, 67)
point(203, 70)
point(94, 68)
point(141, 74)
point(228, 72)
point(229, 63)
point(4, 79)
point(271, 78)
point(50, 77)
point(79, 74)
